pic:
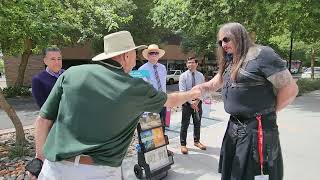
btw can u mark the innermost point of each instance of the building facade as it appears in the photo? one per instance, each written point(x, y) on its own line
point(82, 54)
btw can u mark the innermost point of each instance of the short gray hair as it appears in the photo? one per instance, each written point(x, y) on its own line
point(50, 49)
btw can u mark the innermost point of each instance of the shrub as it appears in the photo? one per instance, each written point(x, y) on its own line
point(307, 85)
point(16, 91)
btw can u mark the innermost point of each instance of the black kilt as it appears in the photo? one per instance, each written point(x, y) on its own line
point(239, 157)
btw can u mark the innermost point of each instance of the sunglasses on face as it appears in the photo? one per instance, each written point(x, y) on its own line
point(153, 53)
point(225, 39)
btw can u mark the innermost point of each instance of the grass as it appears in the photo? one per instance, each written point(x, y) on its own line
point(18, 151)
point(308, 85)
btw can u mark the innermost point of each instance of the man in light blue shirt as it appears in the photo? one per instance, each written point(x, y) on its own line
point(156, 70)
point(193, 108)
point(158, 74)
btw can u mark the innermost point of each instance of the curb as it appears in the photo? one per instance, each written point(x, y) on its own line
point(12, 130)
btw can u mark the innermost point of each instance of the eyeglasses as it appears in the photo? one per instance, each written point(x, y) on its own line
point(153, 53)
point(225, 39)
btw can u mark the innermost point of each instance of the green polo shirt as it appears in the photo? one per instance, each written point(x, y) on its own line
point(95, 110)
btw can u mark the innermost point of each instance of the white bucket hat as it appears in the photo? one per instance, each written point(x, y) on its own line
point(116, 44)
point(153, 48)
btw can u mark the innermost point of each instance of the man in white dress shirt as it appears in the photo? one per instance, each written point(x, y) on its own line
point(193, 108)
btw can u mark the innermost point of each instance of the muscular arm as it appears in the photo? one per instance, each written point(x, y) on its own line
point(42, 128)
point(213, 85)
point(285, 87)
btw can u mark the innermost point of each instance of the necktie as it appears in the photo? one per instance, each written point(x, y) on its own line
point(157, 77)
point(193, 80)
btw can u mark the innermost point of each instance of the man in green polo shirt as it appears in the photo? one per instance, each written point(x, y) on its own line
point(87, 123)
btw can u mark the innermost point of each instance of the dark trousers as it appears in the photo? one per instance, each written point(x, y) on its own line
point(163, 118)
point(187, 112)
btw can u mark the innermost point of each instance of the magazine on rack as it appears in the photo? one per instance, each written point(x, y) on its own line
point(152, 138)
point(151, 131)
point(149, 120)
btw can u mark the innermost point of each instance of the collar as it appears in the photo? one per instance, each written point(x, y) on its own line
point(152, 64)
point(53, 73)
point(191, 71)
point(111, 63)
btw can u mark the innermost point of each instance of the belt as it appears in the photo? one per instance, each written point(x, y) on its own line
point(253, 115)
point(82, 159)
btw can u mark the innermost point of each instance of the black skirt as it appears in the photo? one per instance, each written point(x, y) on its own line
point(239, 158)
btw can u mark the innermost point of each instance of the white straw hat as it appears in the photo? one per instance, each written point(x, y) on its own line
point(153, 48)
point(116, 44)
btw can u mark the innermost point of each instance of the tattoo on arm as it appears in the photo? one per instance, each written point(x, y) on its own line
point(280, 79)
point(211, 86)
point(207, 88)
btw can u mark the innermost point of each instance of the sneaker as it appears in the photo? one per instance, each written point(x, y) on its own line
point(184, 150)
point(200, 146)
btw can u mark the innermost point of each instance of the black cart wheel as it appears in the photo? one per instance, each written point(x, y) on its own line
point(138, 171)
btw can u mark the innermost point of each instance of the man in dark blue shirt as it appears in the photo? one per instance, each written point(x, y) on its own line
point(43, 82)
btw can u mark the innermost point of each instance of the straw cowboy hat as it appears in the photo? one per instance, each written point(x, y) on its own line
point(116, 44)
point(153, 48)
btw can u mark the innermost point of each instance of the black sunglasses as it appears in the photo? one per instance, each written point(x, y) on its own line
point(153, 53)
point(225, 39)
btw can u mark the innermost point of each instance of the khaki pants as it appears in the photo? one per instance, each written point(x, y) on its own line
point(65, 170)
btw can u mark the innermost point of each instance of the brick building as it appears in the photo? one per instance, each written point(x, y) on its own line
point(173, 59)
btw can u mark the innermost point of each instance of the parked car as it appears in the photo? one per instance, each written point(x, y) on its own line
point(173, 76)
point(307, 73)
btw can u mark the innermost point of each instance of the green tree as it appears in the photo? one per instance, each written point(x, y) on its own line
point(28, 26)
point(142, 27)
point(1, 66)
point(199, 21)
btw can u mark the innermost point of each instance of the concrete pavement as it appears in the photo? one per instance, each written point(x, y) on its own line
point(299, 136)
point(3, 82)
point(26, 109)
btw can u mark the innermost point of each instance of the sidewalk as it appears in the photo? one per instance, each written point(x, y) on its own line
point(298, 134)
point(26, 109)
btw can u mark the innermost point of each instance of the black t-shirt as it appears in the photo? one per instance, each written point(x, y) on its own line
point(245, 99)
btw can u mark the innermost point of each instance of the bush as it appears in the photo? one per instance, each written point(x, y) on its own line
point(308, 85)
point(16, 91)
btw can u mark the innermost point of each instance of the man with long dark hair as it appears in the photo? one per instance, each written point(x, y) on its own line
point(255, 86)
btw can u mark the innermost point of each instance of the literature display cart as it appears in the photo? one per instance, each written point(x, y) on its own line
point(153, 158)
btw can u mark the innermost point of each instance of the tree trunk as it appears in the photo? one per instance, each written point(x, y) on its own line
point(24, 62)
point(20, 138)
point(313, 59)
